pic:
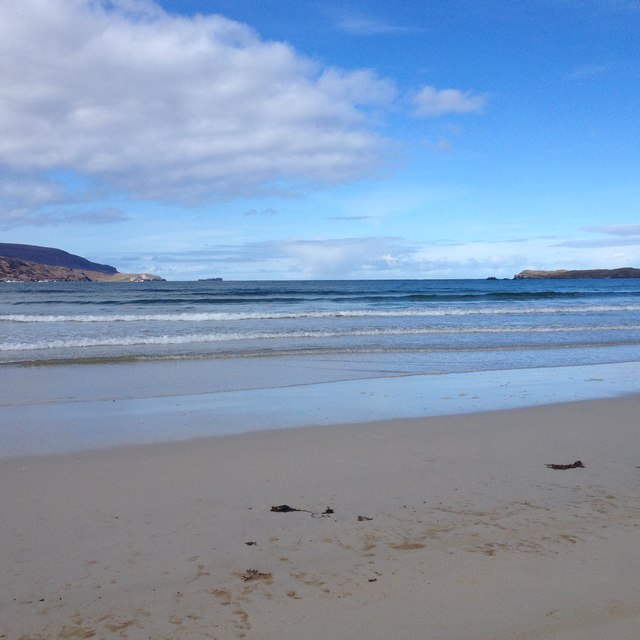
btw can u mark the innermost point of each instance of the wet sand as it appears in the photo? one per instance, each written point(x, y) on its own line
point(443, 528)
point(63, 408)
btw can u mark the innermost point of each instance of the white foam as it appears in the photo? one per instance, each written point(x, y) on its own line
point(285, 315)
point(195, 338)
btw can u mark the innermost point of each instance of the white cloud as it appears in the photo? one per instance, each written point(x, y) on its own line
point(360, 87)
point(347, 257)
point(173, 107)
point(362, 24)
point(286, 258)
point(372, 257)
point(437, 102)
point(340, 257)
point(28, 190)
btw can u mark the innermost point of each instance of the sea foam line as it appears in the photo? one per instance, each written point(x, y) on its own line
point(289, 335)
point(285, 315)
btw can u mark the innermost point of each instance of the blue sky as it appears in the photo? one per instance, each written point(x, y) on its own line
point(282, 139)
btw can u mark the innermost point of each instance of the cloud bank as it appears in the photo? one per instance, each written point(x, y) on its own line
point(337, 257)
point(104, 101)
point(160, 106)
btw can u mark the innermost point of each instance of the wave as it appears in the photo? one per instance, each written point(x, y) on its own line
point(302, 296)
point(284, 315)
point(199, 338)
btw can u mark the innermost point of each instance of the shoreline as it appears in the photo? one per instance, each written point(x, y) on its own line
point(88, 408)
point(448, 527)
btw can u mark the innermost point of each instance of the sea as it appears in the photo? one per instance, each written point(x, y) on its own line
point(86, 365)
point(449, 325)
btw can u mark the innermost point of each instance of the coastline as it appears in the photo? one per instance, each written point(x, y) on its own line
point(49, 410)
point(463, 534)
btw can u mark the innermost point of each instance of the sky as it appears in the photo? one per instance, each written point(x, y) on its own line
point(322, 139)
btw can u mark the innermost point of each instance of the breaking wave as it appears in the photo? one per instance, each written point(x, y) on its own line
point(199, 338)
point(284, 315)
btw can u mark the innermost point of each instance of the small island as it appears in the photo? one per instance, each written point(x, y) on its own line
point(568, 274)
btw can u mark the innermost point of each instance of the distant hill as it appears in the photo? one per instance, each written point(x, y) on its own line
point(624, 272)
point(52, 257)
point(29, 263)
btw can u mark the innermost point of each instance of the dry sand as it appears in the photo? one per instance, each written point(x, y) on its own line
point(448, 528)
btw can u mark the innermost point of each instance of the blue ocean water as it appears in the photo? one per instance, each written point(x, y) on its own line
point(85, 365)
point(446, 325)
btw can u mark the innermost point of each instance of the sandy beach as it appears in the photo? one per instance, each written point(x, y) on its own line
point(444, 528)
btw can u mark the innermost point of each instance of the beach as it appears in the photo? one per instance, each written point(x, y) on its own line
point(319, 320)
point(402, 430)
point(442, 527)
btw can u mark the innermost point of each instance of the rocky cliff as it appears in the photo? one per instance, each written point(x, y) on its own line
point(28, 263)
point(52, 257)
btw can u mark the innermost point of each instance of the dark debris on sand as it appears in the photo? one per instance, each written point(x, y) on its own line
point(574, 465)
point(285, 508)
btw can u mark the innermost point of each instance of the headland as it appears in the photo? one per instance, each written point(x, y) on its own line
point(31, 263)
point(573, 274)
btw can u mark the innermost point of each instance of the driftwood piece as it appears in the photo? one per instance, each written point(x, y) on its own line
point(574, 465)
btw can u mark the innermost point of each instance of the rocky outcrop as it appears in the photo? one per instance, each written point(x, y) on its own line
point(624, 272)
point(14, 269)
point(52, 257)
point(20, 269)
